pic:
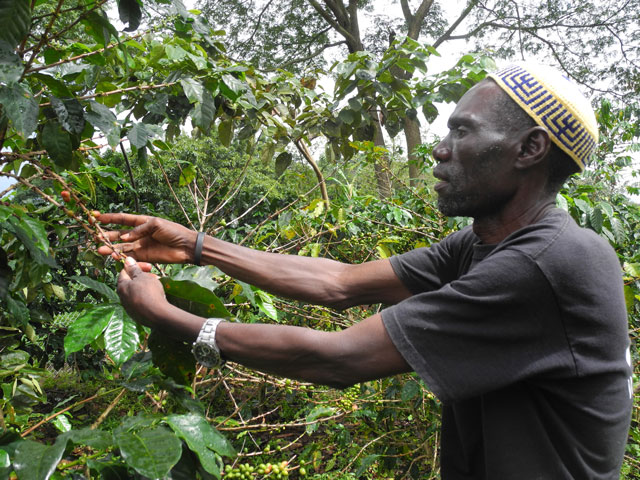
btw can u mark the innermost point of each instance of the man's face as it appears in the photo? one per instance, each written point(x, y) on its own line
point(475, 160)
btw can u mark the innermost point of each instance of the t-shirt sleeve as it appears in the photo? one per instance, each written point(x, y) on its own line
point(429, 268)
point(493, 326)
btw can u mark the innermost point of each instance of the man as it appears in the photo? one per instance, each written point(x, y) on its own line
point(517, 324)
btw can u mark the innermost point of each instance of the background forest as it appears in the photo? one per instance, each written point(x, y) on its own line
point(296, 126)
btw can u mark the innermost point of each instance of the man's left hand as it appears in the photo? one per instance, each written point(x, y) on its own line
point(141, 294)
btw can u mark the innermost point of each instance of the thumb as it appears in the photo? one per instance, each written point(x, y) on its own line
point(131, 267)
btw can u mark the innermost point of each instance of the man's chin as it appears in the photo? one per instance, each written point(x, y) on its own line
point(450, 208)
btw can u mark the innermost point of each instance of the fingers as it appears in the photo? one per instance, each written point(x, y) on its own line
point(115, 250)
point(142, 230)
point(114, 235)
point(145, 267)
point(127, 219)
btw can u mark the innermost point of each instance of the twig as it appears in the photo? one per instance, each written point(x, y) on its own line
point(345, 469)
point(43, 39)
point(142, 88)
point(81, 56)
point(104, 414)
point(166, 178)
point(54, 415)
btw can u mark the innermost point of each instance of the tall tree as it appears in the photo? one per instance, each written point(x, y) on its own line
point(592, 41)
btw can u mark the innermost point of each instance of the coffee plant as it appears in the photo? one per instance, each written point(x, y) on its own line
point(155, 118)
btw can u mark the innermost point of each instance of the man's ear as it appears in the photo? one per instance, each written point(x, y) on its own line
point(534, 147)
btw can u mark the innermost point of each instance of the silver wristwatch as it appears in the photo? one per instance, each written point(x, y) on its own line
point(205, 348)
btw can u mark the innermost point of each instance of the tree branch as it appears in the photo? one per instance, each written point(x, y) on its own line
point(79, 57)
point(257, 25)
point(415, 22)
point(339, 23)
point(406, 11)
point(141, 88)
point(447, 35)
point(302, 148)
point(312, 55)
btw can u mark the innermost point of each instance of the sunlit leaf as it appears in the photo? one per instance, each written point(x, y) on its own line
point(62, 423)
point(234, 85)
point(202, 439)
point(629, 298)
point(121, 337)
point(88, 326)
point(265, 304)
point(187, 175)
point(319, 411)
point(192, 89)
point(632, 269)
point(582, 205)
point(190, 296)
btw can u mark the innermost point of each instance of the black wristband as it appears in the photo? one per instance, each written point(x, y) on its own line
point(197, 254)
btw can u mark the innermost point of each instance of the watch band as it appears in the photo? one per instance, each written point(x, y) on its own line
point(197, 253)
point(205, 349)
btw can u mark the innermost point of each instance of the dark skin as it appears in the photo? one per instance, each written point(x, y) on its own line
point(494, 175)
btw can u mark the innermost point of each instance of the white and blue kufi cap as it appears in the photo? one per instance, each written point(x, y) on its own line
point(554, 102)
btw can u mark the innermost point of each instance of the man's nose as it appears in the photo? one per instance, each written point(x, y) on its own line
point(442, 152)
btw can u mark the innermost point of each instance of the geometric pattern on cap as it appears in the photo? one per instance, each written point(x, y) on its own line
point(554, 103)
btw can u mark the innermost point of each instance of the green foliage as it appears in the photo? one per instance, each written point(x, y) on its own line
point(98, 114)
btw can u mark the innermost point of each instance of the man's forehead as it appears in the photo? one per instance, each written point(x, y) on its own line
point(476, 104)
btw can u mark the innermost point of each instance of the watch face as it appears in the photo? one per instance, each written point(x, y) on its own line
point(206, 355)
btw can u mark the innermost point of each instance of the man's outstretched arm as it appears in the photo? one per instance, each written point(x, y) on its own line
point(339, 359)
point(315, 280)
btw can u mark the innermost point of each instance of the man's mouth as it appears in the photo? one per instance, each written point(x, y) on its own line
point(443, 180)
point(440, 185)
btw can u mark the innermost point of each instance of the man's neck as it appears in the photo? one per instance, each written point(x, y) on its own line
point(492, 229)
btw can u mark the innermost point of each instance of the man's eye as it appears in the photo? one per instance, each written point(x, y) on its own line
point(458, 132)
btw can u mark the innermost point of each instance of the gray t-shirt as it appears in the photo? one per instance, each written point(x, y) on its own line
point(526, 344)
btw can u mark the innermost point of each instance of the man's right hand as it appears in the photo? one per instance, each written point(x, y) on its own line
point(152, 239)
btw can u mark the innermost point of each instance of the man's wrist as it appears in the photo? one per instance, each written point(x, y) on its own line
point(178, 323)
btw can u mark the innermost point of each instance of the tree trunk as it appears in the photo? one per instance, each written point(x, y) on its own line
point(382, 165)
point(413, 137)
